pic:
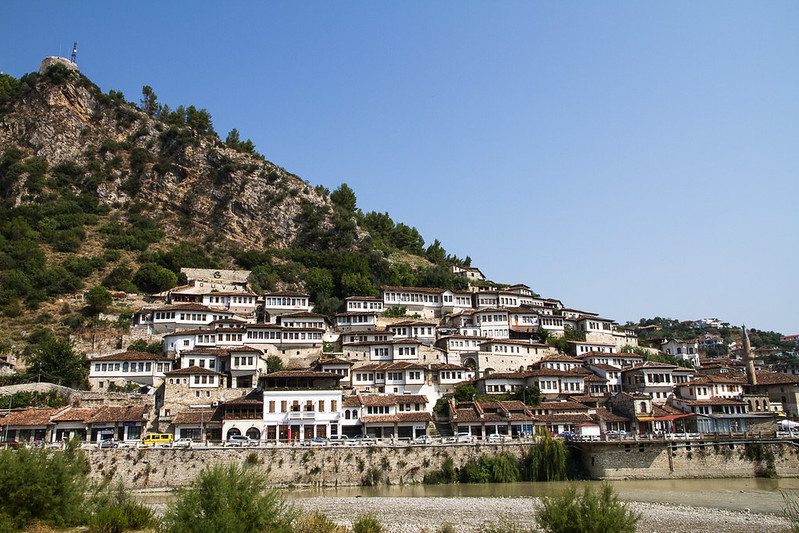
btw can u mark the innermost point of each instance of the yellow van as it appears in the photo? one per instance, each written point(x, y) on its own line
point(157, 439)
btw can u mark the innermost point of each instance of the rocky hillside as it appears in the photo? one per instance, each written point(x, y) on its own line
point(192, 180)
point(96, 191)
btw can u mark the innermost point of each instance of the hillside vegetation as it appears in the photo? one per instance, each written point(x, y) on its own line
point(98, 191)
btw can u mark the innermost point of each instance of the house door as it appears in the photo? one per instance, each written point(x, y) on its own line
point(309, 432)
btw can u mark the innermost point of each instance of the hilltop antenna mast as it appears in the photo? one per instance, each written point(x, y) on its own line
point(74, 56)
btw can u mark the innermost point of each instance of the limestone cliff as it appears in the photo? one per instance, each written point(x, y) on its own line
point(196, 184)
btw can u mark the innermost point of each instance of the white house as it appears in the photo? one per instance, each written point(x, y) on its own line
point(357, 304)
point(413, 329)
point(386, 415)
point(426, 302)
point(687, 350)
point(285, 302)
point(170, 318)
point(118, 369)
point(300, 405)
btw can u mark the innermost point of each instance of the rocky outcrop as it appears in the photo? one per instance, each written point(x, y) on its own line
point(194, 183)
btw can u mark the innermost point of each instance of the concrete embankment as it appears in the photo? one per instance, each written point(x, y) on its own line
point(166, 468)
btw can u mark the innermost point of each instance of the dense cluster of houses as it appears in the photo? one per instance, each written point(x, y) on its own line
point(386, 367)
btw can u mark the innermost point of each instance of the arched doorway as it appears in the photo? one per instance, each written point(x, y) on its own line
point(233, 432)
point(471, 364)
point(253, 433)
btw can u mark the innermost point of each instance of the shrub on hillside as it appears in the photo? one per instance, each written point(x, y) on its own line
point(590, 512)
point(229, 499)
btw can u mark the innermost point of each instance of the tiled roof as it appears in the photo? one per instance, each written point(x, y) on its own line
point(303, 314)
point(711, 401)
point(197, 416)
point(74, 414)
point(30, 417)
point(130, 413)
point(407, 323)
point(428, 290)
point(308, 374)
point(560, 358)
point(287, 293)
point(414, 416)
point(375, 400)
point(561, 406)
point(568, 418)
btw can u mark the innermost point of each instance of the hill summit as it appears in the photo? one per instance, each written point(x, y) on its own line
point(95, 188)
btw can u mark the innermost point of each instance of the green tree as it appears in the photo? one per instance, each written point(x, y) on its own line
point(344, 197)
point(54, 360)
point(149, 101)
point(546, 460)
point(530, 395)
point(274, 364)
point(356, 284)
point(98, 299)
point(435, 253)
point(152, 278)
point(464, 393)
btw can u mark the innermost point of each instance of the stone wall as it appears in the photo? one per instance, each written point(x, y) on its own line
point(166, 468)
point(684, 460)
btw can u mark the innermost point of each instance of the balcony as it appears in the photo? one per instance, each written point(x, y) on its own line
point(302, 415)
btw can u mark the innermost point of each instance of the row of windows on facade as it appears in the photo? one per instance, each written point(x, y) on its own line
point(551, 321)
point(356, 319)
point(458, 300)
point(318, 324)
point(270, 301)
point(504, 348)
point(296, 407)
point(392, 376)
point(365, 338)
point(411, 297)
point(365, 305)
point(492, 318)
point(131, 367)
point(416, 331)
point(402, 350)
point(463, 343)
point(234, 299)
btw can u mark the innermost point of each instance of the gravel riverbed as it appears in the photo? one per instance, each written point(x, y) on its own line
point(411, 515)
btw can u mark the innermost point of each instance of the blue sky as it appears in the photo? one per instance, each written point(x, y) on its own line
point(635, 159)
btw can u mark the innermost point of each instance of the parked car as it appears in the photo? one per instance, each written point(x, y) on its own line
point(109, 443)
point(338, 440)
point(463, 437)
point(423, 439)
point(316, 441)
point(616, 433)
point(240, 441)
point(182, 443)
point(497, 437)
point(567, 435)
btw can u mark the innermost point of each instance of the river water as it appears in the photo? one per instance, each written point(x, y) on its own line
point(755, 495)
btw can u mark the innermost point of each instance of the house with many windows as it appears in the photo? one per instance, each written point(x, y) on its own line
point(119, 369)
point(404, 416)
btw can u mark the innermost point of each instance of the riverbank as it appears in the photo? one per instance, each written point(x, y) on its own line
point(412, 515)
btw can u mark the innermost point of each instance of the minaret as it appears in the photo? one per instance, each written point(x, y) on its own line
point(749, 360)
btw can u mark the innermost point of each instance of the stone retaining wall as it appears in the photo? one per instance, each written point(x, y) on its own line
point(685, 460)
point(166, 468)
